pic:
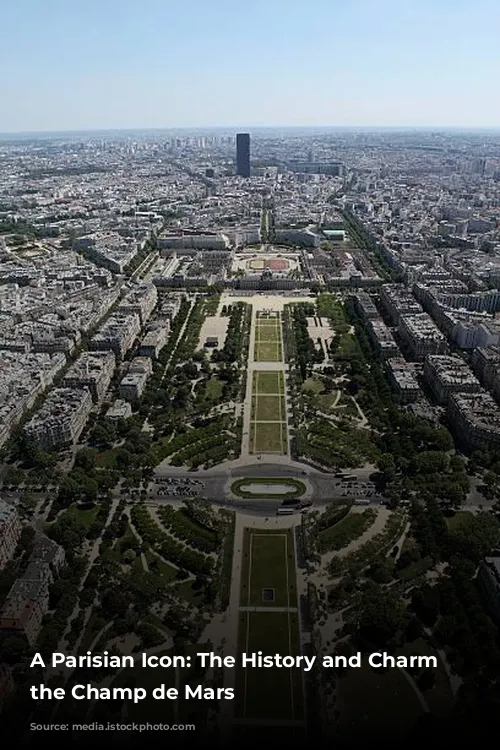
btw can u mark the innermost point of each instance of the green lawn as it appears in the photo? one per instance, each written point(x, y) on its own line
point(268, 382)
point(267, 333)
point(214, 389)
point(185, 591)
point(314, 385)
point(325, 401)
point(459, 520)
point(348, 347)
point(347, 530)
point(269, 693)
point(269, 437)
point(373, 703)
point(137, 565)
point(85, 515)
point(269, 409)
point(268, 563)
point(158, 566)
point(268, 352)
point(106, 459)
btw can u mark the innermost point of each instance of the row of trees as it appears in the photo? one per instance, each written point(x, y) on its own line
point(237, 333)
point(306, 353)
point(364, 239)
point(181, 555)
point(416, 456)
point(188, 530)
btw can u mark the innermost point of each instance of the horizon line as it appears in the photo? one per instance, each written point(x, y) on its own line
point(246, 128)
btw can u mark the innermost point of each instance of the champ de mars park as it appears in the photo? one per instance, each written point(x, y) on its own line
point(265, 510)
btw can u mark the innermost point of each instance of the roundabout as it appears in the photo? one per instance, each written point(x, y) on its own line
point(268, 488)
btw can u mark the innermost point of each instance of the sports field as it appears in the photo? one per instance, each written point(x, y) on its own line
point(268, 344)
point(268, 420)
point(268, 579)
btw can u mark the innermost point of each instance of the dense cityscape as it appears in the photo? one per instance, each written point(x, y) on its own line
point(250, 400)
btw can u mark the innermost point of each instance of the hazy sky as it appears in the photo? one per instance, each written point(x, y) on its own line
point(83, 64)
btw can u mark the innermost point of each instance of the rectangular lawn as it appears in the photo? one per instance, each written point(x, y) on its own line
point(268, 333)
point(269, 437)
point(269, 693)
point(268, 563)
point(269, 408)
point(267, 352)
point(268, 382)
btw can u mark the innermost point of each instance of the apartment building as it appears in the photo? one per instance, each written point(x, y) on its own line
point(141, 301)
point(10, 531)
point(61, 419)
point(170, 305)
point(108, 249)
point(365, 306)
point(486, 365)
point(141, 364)
point(117, 335)
point(382, 338)
point(28, 599)
point(24, 608)
point(421, 335)
point(398, 301)
point(469, 332)
point(121, 409)
point(92, 370)
point(403, 379)
point(475, 419)
point(47, 552)
point(133, 385)
point(154, 341)
point(447, 374)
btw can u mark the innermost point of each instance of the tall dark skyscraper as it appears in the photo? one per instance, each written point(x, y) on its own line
point(243, 154)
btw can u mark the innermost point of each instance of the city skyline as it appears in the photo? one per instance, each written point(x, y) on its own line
point(390, 64)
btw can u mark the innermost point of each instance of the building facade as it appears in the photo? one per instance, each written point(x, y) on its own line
point(10, 531)
point(61, 419)
point(243, 154)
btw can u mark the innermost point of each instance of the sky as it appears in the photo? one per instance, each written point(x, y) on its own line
point(119, 64)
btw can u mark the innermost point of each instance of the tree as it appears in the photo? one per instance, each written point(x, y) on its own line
point(382, 615)
point(425, 604)
point(85, 459)
point(114, 603)
point(129, 556)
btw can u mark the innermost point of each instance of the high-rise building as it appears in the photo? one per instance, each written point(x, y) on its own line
point(243, 154)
